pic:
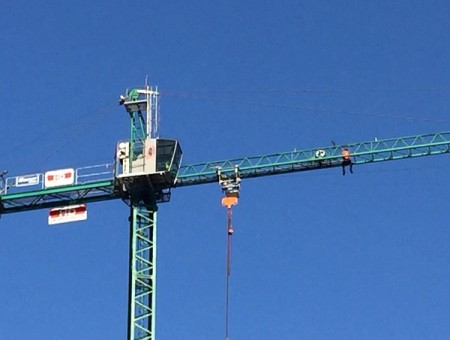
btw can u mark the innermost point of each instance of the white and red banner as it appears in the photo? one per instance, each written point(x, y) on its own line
point(57, 178)
point(66, 214)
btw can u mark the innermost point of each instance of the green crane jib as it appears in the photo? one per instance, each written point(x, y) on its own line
point(97, 183)
point(147, 168)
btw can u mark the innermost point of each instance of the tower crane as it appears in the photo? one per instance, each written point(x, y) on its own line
point(147, 168)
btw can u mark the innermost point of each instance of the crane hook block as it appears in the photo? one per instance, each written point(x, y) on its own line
point(229, 201)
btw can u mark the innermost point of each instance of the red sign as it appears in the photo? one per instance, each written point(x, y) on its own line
point(57, 178)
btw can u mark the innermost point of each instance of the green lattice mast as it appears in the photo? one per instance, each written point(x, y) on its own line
point(144, 175)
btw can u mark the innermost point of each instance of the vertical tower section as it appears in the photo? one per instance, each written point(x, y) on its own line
point(142, 275)
point(146, 169)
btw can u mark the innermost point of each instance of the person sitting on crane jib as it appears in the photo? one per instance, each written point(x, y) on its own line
point(346, 161)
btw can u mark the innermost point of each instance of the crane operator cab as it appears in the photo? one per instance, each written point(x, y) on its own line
point(148, 167)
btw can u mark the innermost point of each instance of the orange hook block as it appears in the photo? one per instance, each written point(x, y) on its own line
point(229, 201)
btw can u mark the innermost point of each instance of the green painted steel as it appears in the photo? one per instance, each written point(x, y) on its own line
point(57, 197)
point(273, 164)
point(138, 135)
point(317, 158)
point(142, 267)
point(142, 277)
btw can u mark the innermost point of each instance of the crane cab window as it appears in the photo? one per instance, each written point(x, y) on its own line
point(168, 156)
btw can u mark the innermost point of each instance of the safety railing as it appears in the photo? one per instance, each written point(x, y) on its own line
point(37, 181)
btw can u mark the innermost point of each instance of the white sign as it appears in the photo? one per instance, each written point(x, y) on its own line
point(27, 180)
point(320, 153)
point(70, 213)
point(57, 178)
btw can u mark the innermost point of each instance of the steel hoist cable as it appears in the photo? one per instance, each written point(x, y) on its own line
point(230, 184)
point(228, 266)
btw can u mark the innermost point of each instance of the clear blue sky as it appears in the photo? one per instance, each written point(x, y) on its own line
point(315, 255)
